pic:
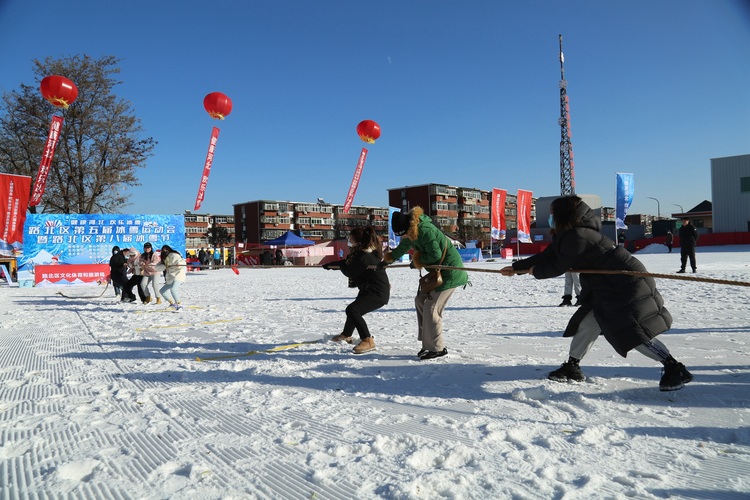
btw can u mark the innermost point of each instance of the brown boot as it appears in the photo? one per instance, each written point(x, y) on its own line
point(342, 338)
point(365, 345)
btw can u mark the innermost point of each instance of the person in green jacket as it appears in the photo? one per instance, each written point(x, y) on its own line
point(429, 243)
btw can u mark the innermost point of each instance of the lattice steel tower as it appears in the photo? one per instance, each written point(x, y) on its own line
point(567, 176)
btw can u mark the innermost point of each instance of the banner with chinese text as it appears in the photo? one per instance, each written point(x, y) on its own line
point(625, 191)
point(523, 212)
point(14, 200)
point(498, 228)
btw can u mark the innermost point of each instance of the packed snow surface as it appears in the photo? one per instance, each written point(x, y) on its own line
point(100, 399)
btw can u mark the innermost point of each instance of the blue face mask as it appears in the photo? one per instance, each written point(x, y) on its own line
point(551, 221)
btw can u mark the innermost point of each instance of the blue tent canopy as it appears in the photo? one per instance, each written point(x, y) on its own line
point(289, 239)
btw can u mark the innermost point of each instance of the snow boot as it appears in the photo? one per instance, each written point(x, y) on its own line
point(158, 301)
point(675, 376)
point(578, 301)
point(434, 354)
point(570, 371)
point(567, 301)
point(367, 344)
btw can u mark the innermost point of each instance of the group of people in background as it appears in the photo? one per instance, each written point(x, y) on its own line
point(143, 269)
point(626, 309)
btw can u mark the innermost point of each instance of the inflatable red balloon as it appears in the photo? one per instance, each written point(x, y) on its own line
point(368, 131)
point(218, 105)
point(59, 91)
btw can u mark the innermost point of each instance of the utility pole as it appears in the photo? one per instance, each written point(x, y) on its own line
point(567, 176)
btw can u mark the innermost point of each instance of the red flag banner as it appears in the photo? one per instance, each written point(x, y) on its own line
point(49, 151)
point(497, 231)
point(355, 180)
point(207, 167)
point(14, 200)
point(524, 216)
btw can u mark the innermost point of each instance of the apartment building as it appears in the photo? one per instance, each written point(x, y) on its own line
point(198, 227)
point(263, 220)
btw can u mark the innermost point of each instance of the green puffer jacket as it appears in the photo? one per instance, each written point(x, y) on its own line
point(429, 242)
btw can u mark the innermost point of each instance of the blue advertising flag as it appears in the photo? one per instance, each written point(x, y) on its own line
point(393, 240)
point(625, 189)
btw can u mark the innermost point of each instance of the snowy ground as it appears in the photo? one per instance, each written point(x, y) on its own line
point(106, 400)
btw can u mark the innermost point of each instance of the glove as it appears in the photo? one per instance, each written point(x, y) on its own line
point(327, 267)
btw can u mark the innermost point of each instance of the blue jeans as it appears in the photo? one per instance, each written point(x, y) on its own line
point(171, 289)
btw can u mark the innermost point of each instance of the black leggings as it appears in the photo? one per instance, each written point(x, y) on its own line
point(355, 312)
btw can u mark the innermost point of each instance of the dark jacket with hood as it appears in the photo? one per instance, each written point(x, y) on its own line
point(629, 309)
point(118, 268)
point(429, 242)
point(362, 267)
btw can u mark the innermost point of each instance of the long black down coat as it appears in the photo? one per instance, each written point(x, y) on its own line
point(629, 309)
point(363, 269)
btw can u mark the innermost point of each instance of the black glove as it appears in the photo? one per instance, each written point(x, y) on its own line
point(327, 267)
point(411, 265)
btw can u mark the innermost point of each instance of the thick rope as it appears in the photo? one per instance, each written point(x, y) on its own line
point(86, 297)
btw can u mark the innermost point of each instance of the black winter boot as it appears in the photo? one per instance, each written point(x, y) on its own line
point(570, 371)
point(675, 376)
point(567, 301)
point(578, 301)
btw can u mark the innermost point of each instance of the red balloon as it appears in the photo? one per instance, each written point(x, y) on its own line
point(59, 91)
point(218, 105)
point(368, 131)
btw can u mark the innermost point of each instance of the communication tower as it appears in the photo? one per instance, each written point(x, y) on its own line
point(567, 176)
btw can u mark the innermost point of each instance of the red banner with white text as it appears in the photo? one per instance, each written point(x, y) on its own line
point(14, 200)
point(71, 274)
point(207, 167)
point(497, 230)
point(49, 152)
point(524, 216)
point(355, 180)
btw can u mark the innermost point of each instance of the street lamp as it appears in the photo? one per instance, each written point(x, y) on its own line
point(682, 210)
point(658, 207)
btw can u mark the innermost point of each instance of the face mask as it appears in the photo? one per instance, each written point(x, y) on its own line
point(551, 221)
point(350, 244)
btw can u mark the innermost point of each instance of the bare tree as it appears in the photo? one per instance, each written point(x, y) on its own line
point(101, 142)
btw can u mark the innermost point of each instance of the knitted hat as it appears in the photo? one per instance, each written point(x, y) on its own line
point(400, 223)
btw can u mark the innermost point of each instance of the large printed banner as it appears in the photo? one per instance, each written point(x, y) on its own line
point(497, 231)
point(523, 212)
point(71, 274)
point(207, 168)
point(49, 151)
point(355, 180)
point(625, 190)
point(57, 239)
point(14, 200)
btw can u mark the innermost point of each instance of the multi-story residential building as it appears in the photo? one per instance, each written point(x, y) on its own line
point(263, 220)
point(198, 226)
point(462, 212)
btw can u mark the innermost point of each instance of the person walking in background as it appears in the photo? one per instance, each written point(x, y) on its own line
point(363, 268)
point(279, 257)
point(627, 310)
point(217, 257)
point(172, 263)
point(202, 258)
point(688, 239)
point(669, 240)
point(572, 281)
point(431, 247)
point(148, 262)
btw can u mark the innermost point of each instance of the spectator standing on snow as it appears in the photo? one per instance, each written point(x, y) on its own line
point(279, 257)
point(173, 265)
point(688, 239)
point(217, 257)
point(363, 268)
point(627, 310)
point(669, 240)
point(572, 282)
point(431, 248)
point(202, 258)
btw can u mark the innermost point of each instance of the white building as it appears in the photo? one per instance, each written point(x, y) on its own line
point(730, 193)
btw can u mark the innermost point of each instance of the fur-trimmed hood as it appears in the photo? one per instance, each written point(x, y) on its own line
point(413, 232)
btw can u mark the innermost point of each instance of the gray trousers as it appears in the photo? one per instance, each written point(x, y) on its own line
point(589, 331)
point(572, 282)
point(430, 318)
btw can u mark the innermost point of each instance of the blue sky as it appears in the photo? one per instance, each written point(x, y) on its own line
point(466, 93)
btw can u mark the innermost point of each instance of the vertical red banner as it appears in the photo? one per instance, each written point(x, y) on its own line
point(497, 230)
point(14, 200)
point(355, 180)
point(207, 168)
point(49, 152)
point(523, 212)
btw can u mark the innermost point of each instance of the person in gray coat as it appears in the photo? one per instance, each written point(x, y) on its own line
point(628, 310)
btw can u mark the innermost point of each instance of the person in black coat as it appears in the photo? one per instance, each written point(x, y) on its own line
point(364, 270)
point(688, 239)
point(118, 272)
point(628, 310)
